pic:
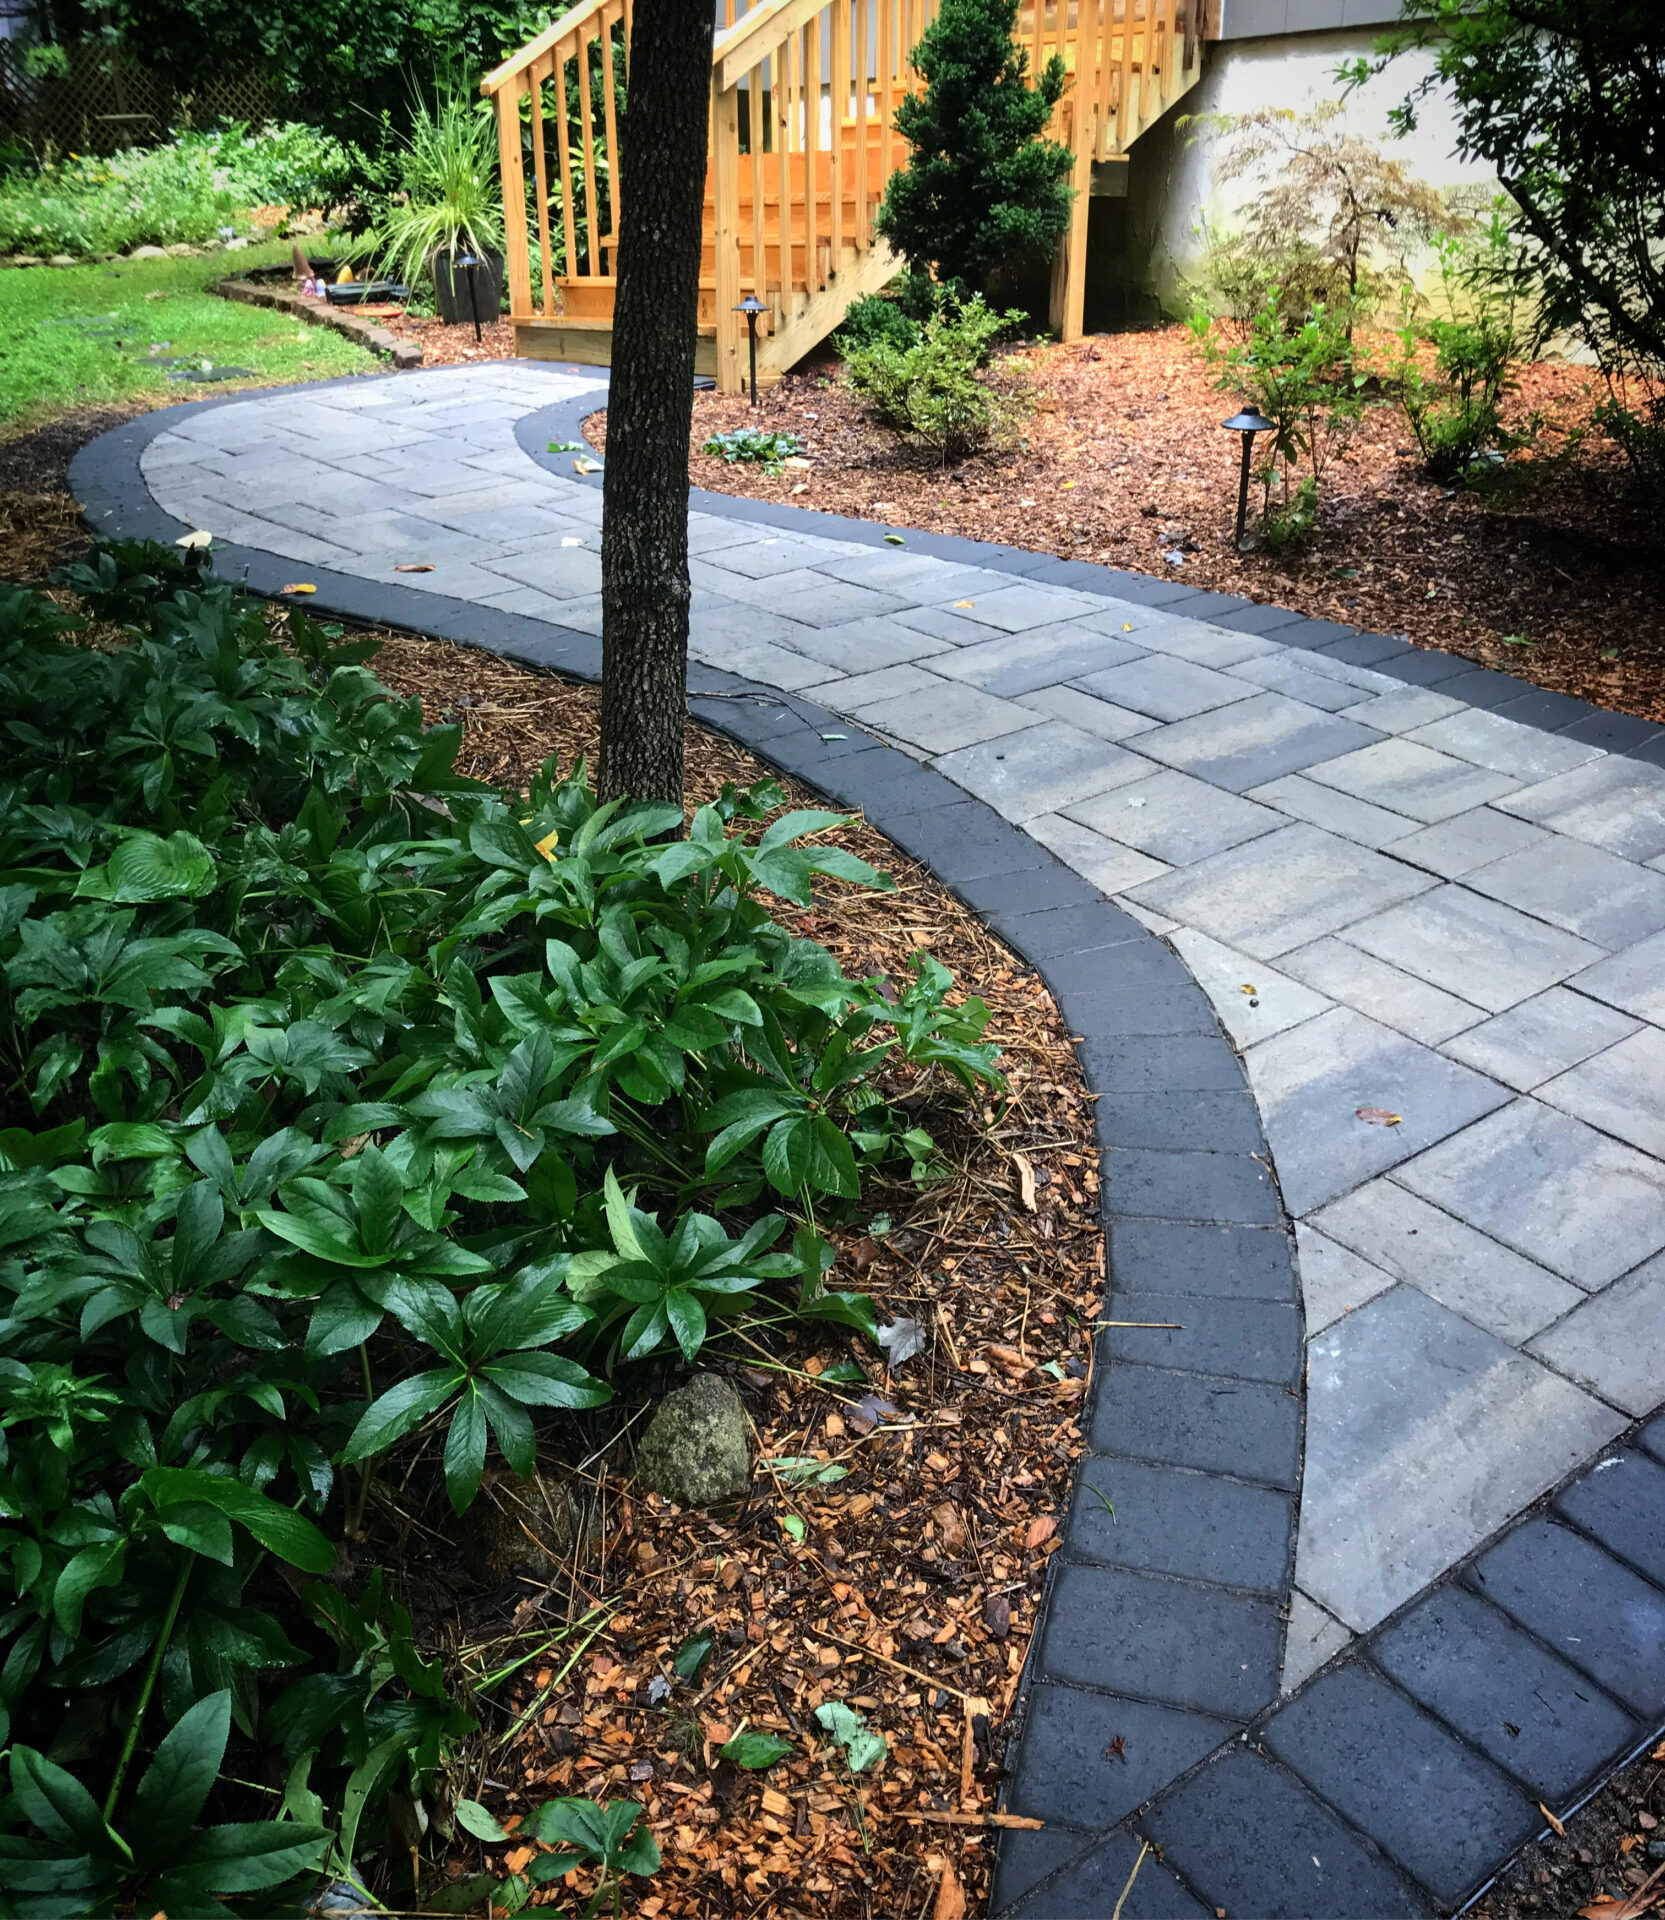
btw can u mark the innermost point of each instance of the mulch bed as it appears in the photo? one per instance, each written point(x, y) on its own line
point(913, 1593)
point(1558, 579)
point(1607, 1864)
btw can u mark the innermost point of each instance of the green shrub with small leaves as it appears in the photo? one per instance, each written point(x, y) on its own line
point(932, 388)
point(354, 1118)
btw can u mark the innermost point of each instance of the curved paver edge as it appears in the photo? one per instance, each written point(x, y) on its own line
point(1077, 940)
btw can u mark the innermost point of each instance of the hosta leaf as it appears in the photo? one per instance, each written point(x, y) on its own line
point(145, 868)
point(755, 1749)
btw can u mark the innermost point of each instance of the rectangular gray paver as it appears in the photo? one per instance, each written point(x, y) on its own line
point(1621, 1091)
point(1411, 779)
point(1111, 868)
point(708, 535)
point(1479, 949)
point(1424, 1435)
point(567, 571)
point(1043, 657)
point(1303, 799)
point(1203, 645)
point(1334, 1281)
point(1468, 840)
point(1285, 672)
point(1282, 891)
point(1044, 768)
point(734, 650)
point(1614, 803)
point(1311, 1084)
point(944, 623)
point(1614, 1343)
point(1254, 740)
point(1540, 1038)
point(1253, 1000)
point(866, 646)
point(1016, 608)
point(1173, 817)
point(1450, 1261)
point(778, 554)
point(940, 717)
point(872, 689)
point(1165, 688)
point(1097, 717)
point(1404, 710)
point(815, 599)
point(1505, 746)
point(1370, 985)
point(1633, 979)
point(1591, 893)
point(1549, 1186)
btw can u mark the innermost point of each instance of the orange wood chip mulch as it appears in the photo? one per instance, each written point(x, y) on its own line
point(1557, 580)
point(912, 1594)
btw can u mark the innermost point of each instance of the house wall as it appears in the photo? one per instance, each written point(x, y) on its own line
point(1141, 246)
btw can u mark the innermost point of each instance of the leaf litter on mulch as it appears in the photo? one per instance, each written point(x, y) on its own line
point(905, 1588)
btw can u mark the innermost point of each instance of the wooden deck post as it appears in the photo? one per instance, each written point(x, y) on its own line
point(1069, 263)
point(517, 254)
point(725, 188)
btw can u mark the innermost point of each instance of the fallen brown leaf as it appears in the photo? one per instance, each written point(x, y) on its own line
point(1026, 1181)
point(413, 566)
point(1550, 1817)
point(950, 1895)
point(1380, 1117)
point(1040, 1531)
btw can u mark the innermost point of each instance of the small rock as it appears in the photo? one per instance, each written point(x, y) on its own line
point(235, 246)
point(28, 260)
point(697, 1448)
point(518, 1526)
point(62, 260)
point(148, 253)
point(180, 249)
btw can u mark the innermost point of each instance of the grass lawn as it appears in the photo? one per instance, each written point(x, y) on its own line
point(75, 336)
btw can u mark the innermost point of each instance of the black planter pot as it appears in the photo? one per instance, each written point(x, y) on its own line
point(451, 287)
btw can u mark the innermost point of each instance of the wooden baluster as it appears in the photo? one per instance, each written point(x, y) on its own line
point(1102, 42)
point(864, 26)
point(755, 123)
point(563, 152)
point(725, 211)
point(609, 94)
point(885, 62)
point(516, 252)
point(592, 222)
point(838, 93)
point(540, 170)
point(1124, 101)
point(812, 152)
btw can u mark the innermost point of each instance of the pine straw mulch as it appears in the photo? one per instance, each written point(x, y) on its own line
point(1608, 1862)
point(914, 1592)
point(1558, 579)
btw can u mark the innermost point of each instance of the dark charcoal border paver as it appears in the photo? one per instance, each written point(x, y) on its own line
point(1381, 1789)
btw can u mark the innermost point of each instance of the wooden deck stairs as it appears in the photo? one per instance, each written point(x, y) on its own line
point(803, 101)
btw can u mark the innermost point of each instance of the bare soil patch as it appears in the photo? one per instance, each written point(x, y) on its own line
point(1555, 578)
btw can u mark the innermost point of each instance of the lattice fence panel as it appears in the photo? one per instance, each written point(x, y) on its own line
point(106, 101)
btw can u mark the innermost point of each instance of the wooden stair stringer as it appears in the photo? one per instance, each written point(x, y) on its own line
point(805, 326)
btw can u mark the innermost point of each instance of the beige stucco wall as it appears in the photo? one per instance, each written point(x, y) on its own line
point(1146, 243)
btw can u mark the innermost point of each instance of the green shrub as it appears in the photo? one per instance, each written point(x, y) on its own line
point(755, 444)
point(352, 1110)
point(1306, 381)
point(982, 185)
point(185, 191)
point(1457, 415)
point(1638, 432)
point(875, 321)
point(931, 388)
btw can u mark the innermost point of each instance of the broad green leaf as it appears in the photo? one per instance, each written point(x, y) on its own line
point(465, 1450)
point(475, 1819)
point(146, 868)
point(755, 1749)
point(244, 1858)
point(379, 1196)
point(279, 1529)
point(177, 1782)
point(619, 1222)
point(399, 1410)
point(692, 1655)
point(57, 1803)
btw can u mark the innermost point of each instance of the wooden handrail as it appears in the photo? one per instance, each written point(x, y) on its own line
point(516, 65)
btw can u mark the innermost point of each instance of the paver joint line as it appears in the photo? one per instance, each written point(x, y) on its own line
point(1404, 885)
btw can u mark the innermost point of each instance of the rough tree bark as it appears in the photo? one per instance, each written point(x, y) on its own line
point(644, 540)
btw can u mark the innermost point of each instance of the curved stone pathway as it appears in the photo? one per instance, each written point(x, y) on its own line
point(1427, 904)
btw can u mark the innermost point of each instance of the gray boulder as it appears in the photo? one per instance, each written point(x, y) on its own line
point(697, 1449)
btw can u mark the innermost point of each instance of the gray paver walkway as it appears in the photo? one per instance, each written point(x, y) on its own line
point(1398, 903)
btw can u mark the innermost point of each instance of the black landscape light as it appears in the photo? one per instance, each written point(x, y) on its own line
point(1248, 423)
point(751, 307)
point(468, 263)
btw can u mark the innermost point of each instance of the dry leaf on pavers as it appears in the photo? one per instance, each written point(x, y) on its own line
point(299, 586)
point(414, 566)
point(1380, 1117)
point(1550, 1817)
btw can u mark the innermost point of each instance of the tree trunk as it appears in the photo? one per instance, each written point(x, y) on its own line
point(644, 539)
